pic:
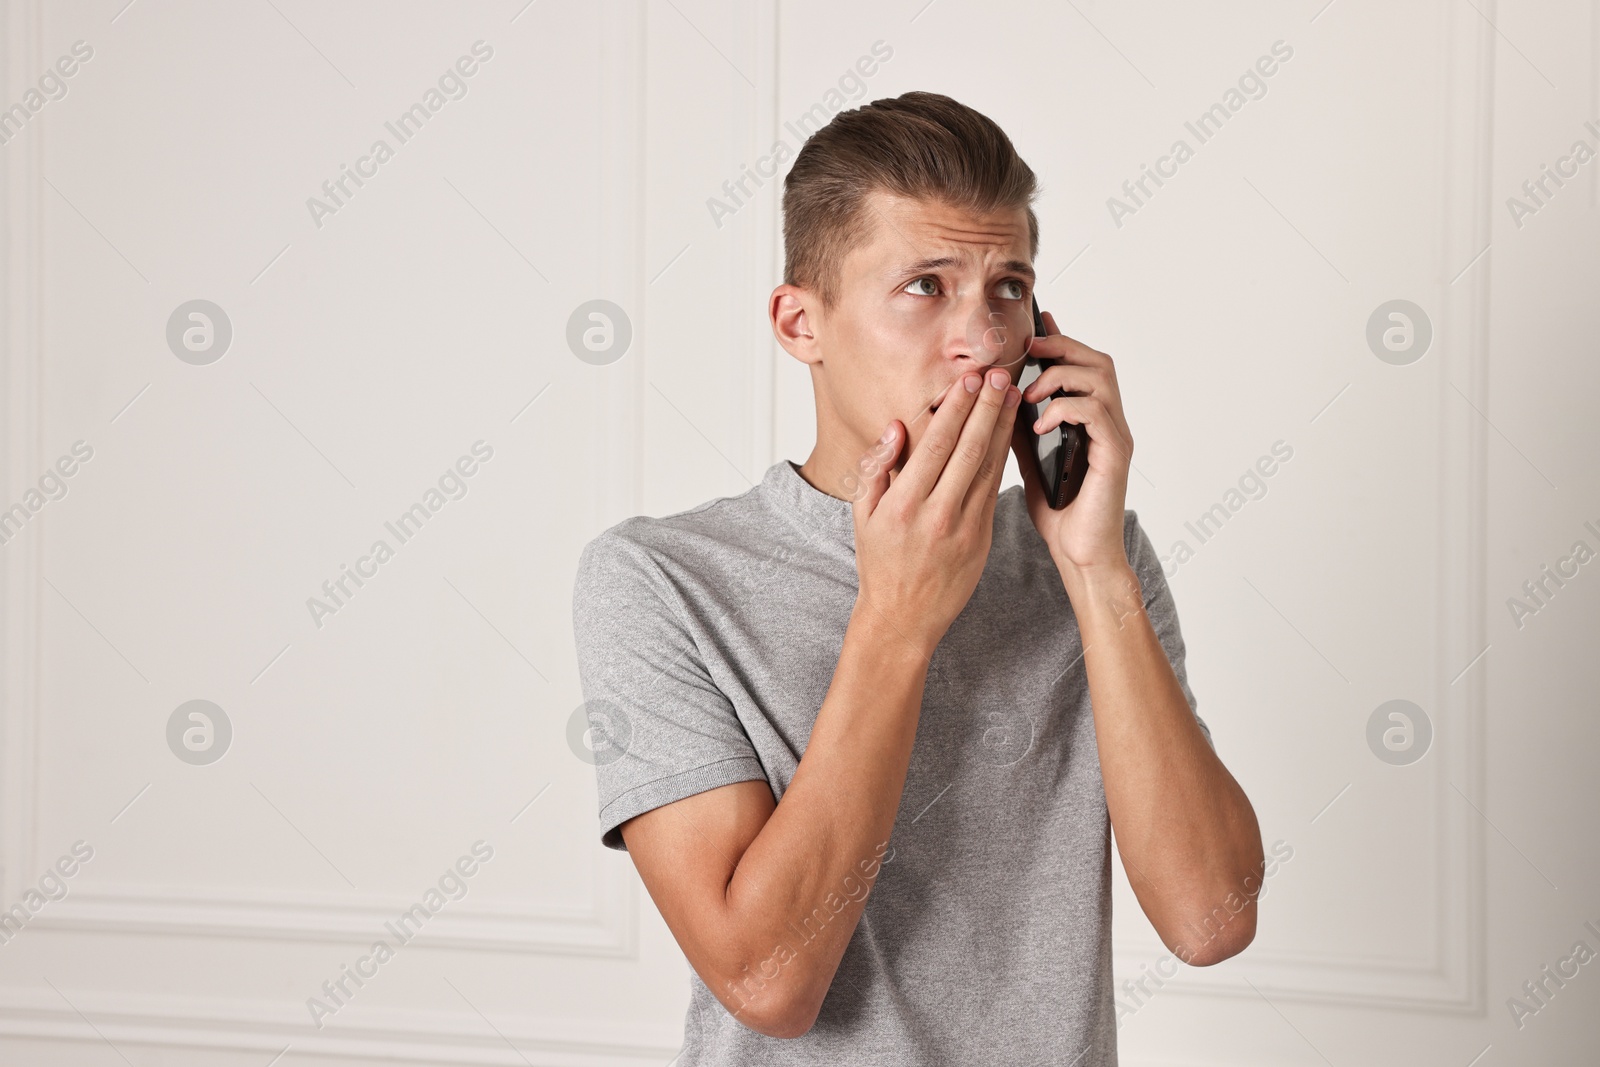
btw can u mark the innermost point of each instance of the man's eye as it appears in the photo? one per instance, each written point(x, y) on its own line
point(1013, 283)
point(919, 281)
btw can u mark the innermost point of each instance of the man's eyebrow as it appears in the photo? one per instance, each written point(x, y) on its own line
point(1016, 266)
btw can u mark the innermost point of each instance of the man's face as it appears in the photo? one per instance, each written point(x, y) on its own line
point(936, 293)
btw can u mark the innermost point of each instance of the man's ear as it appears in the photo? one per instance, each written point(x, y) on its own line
point(790, 309)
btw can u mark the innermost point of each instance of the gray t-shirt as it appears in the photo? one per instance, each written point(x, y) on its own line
point(706, 642)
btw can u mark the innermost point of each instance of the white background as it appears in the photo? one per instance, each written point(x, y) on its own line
point(430, 312)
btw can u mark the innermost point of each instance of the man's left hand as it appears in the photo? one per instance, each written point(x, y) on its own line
point(1086, 535)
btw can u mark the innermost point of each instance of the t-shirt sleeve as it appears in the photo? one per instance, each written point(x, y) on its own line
point(659, 728)
point(1160, 607)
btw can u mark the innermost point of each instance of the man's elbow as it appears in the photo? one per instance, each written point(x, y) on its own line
point(795, 1024)
point(775, 1006)
point(780, 1019)
point(1222, 941)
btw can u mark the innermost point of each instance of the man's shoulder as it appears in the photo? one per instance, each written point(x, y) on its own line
point(690, 537)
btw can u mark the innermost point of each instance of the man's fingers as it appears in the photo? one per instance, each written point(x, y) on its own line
point(1056, 345)
point(1073, 378)
point(865, 486)
point(973, 446)
point(986, 486)
point(1080, 383)
point(1096, 419)
point(918, 477)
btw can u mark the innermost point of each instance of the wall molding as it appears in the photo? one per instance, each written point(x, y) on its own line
point(357, 1032)
point(607, 928)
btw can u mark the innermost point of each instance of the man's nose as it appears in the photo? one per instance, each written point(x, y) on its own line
point(984, 333)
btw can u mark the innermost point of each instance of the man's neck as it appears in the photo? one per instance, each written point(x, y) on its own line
point(836, 470)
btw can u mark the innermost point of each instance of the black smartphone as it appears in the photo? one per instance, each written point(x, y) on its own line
point(1061, 455)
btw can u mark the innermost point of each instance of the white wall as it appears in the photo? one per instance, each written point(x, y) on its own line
point(430, 312)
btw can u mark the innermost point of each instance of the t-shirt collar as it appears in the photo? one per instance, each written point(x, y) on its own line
point(809, 505)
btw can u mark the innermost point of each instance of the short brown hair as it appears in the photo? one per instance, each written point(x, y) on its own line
point(921, 145)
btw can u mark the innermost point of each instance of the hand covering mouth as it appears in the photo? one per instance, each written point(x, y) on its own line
point(982, 371)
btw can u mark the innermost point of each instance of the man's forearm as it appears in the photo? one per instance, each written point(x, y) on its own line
point(820, 849)
point(1186, 832)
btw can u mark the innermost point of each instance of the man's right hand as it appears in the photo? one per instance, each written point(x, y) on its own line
point(922, 541)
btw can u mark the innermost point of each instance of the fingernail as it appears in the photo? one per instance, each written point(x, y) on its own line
point(888, 432)
point(972, 381)
point(1013, 398)
point(999, 379)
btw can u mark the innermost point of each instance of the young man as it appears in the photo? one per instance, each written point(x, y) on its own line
point(872, 721)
